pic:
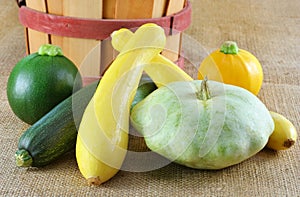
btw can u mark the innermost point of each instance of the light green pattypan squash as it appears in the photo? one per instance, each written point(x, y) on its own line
point(203, 124)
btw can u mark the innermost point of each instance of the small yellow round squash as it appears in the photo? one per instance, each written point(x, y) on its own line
point(234, 66)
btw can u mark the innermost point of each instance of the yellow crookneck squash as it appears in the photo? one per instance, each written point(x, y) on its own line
point(234, 66)
point(103, 132)
point(102, 138)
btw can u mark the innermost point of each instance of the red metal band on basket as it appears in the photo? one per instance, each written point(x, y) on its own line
point(98, 29)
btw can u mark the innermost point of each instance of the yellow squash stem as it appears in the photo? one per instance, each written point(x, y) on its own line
point(161, 70)
point(103, 133)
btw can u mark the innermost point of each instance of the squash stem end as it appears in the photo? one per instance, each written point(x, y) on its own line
point(229, 47)
point(23, 158)
point(94, 181)
point(50, 50)
point(203, 93)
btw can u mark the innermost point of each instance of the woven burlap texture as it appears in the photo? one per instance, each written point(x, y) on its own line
point(269, 29)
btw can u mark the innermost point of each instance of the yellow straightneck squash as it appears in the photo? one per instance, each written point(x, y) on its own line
point(234, 66)
point(103, 133)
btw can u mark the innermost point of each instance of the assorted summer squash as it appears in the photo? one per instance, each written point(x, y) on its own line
point(55, 133)
point(172, 110)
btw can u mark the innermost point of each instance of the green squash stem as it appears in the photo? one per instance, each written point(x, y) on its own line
point(229, 47)
point(50, 50)
point(23, 158)
point(203, 93)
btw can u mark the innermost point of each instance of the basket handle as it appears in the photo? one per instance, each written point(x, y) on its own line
point(98, 29)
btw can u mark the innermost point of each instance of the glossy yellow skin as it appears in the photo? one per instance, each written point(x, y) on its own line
point(103, 133)
point(242, 69)
point(284, 135)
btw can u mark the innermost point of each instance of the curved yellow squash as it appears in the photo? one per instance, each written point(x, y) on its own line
point(161, 70)
point(93, 169)
point(103, 133)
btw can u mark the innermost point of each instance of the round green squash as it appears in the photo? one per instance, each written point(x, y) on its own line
point(203, 124)
point(40, 81)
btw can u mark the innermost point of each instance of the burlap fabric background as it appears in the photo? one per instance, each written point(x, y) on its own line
point(270, 29)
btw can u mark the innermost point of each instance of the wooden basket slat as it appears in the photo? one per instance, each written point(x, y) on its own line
point(35, 38)
point(173, 45)
point(77, 48)
point(55, 7)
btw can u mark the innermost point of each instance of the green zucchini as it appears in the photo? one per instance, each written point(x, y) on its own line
point(55, 133)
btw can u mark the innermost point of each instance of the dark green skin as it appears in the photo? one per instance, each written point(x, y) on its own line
point(55, 133)
point(146, 86)
point(38, 83)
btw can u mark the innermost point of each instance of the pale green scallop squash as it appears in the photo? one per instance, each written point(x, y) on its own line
point(203, 124)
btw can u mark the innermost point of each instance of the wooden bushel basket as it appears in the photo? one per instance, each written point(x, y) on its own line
point(79, 26)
